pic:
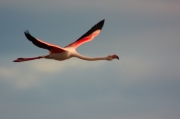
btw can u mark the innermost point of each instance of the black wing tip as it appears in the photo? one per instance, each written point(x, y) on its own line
point(28, 35)
point(26, 32)
point(100, 24)
point(102, 20)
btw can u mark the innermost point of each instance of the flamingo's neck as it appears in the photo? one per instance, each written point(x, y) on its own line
point(90, 59)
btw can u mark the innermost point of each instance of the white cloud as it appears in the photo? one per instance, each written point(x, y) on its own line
point(31, 74)
point(19, 77)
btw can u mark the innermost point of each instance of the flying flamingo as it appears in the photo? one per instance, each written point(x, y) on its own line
point(59, 53)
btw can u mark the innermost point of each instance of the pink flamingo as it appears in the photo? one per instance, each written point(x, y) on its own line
point(59, 53)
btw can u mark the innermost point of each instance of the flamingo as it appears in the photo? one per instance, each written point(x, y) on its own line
point(60, 53)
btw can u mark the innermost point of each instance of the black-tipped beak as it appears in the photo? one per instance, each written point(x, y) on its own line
point(117, 57)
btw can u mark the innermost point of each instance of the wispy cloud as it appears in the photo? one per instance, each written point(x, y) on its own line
point(31, 74)
point(19, 79)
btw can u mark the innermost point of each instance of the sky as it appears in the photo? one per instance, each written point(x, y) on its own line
point(143, 84)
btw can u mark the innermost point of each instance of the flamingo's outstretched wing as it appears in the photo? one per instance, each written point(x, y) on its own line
point(89, 35)
point(42, 44)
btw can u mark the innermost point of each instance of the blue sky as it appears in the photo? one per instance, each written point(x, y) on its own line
point(143, 84)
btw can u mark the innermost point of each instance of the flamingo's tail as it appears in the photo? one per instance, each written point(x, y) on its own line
point(27, 59)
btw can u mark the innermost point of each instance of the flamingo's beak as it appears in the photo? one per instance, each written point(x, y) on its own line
point(115, 56)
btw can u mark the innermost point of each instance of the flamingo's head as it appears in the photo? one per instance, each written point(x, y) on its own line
point(111, 57)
